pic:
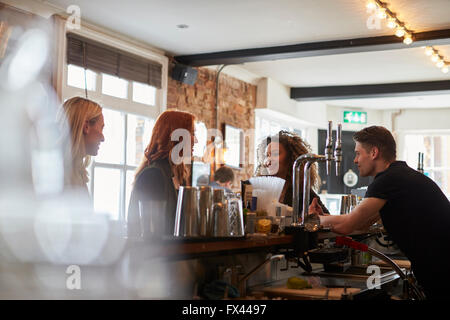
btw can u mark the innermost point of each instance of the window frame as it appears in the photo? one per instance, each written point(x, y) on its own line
point(429, 133)
point(125, 106)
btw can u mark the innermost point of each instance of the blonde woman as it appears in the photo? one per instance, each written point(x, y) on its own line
point(82, 120)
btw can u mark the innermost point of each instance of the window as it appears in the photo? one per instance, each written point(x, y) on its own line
point(114, 86)
point(233, 146)
point(76, 78)
point(201, 133)
point(129, 110)
point(143, 93)
point(436, 149)
point(112, 170)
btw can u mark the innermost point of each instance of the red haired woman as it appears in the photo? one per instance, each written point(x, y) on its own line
point(161, 172)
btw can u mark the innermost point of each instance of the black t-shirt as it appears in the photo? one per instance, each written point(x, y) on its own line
point(417, 217)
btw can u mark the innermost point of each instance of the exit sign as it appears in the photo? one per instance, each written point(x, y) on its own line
point(358, 117)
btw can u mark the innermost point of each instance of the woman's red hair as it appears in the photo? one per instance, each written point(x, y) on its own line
point(161, 145)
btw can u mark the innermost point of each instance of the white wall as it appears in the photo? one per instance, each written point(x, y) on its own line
point(273, 99)
point(436, 120)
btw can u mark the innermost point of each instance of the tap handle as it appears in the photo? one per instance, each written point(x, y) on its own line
point(329, 146)
point(338, 149)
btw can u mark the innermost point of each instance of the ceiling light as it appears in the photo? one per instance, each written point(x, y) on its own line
point(381, 13)
point(408, 39)
point(429, 51)
point(371, 5)
point(392, 23)
point(400, 32)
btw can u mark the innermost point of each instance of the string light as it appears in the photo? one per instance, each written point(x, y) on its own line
point(382, 12)
point(429, 51)
point(400, 32)
point(371, 5)
point(407, 39)
point(392, 23)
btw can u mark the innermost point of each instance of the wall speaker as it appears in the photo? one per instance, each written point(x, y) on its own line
point(184, 74)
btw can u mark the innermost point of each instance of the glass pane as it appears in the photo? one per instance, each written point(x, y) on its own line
point(144, 93)
point(107, 191)
point(114, 86)
point(128, 188)
point(75, 77)
point(112, 149)
point(232, 153)
point(139, 133)
point(201, 133)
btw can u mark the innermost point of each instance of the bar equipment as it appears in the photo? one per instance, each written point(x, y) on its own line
point(311, 223)
point(420, 163)
point(235, 217)
point(188, 213)
point(205, 207)
point(344, 205)
point(348, 203)
point(219, 214)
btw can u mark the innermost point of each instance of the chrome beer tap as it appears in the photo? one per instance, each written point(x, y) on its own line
point(338, 149)
point(312, 223)
point(329, 147)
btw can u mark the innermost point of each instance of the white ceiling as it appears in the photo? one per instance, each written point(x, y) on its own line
point(403, 65)
point(238, 24)
point(216, 25)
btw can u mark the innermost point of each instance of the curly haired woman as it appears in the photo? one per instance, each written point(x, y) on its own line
point(276, 157)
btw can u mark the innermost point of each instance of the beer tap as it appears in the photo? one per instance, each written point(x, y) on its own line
point(311, 223)
point(329, 147)
point(338, 149)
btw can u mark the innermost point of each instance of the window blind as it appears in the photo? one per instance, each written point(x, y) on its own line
point(98, 57)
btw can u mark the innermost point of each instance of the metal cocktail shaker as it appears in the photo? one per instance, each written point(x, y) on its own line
point(220, 214)
point(187, 216)
point(206, 211)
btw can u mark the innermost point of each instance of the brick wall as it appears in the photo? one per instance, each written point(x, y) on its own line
point(237, 100)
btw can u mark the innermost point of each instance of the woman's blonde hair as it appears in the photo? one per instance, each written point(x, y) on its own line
point(161, 144)
point(72, 118)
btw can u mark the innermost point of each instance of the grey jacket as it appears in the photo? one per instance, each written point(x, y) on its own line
point(153, 183)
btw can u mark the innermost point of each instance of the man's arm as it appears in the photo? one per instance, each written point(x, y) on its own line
point(363, 216)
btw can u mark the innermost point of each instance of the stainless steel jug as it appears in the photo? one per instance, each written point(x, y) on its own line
point(345, 205)
point(220, 214)
point(206, 225)
point(187, 218)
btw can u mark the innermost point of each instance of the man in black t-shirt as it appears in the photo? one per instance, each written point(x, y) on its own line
point(414, 210)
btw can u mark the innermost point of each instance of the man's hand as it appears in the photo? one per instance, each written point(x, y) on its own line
point(362, 217)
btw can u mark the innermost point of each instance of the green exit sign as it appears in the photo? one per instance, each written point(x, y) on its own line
point(358, 117)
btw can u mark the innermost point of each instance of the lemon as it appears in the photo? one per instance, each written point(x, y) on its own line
point(297, 283)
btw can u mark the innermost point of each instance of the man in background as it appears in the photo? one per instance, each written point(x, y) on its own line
point(223, 179)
